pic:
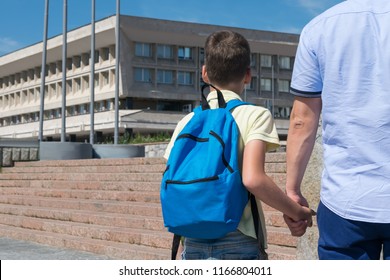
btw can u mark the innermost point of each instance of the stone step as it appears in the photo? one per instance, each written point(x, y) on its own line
point(92, 162)
point(275, 157)
point(277, 167)
point(131, 203)
point(114, 250)
point(131, 168)
point(87, 217)
point(84, 194)
point(270, 158)
point(276, 252)
point(83, 185)
point(97, 181)
point(123, 207)
point(151, 238)
point(125, 186)
point(281, 236)
point(127, 177)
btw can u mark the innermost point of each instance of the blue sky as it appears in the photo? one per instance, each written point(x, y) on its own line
point(21, 21)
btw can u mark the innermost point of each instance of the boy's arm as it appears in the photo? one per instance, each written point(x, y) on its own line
point(263, 187)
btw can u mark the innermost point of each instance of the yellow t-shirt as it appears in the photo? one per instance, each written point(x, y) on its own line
point(254, 123)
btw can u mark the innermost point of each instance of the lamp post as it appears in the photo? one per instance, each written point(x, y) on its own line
point(92, 76)
point(43, 72)
point(117, 50)
point(64, 54)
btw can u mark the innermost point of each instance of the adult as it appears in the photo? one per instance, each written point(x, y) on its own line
point(342, 69)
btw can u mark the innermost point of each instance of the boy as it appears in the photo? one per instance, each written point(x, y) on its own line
point(227, 67)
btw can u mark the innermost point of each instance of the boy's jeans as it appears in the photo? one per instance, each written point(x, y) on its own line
point(234, 246)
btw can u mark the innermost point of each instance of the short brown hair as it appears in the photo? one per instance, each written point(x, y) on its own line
point(227, 57)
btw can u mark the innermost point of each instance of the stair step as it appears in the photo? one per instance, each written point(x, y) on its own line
point(83, 185)
point(123, 207)
point(86, 217)
point(155, 168)
point(85, 194)
point(129, 177)
point(281, 236)
point(156, 239)
point(93, 162)
point(276, 252)
point(114, 250)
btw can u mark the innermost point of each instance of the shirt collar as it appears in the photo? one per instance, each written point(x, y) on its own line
point(227, 94)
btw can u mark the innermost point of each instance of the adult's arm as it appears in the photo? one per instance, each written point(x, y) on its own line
point(300, 142)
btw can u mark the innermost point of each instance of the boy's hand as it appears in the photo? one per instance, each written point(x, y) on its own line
point(297, 228)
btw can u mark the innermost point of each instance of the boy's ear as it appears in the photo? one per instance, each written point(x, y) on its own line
point(204, 74)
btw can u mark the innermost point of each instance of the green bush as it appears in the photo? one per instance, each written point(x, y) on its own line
point(138, 138)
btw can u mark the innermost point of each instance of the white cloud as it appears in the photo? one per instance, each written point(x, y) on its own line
point(8, 45)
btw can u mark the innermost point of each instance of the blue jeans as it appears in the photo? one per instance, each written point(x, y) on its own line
point(343, 239)
point(234, 246)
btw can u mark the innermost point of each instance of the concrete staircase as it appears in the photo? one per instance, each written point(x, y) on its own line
point(106, 206)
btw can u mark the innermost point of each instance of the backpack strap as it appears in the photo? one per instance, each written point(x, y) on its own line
point(258, 228)
point(175, 246)
point(221, 100)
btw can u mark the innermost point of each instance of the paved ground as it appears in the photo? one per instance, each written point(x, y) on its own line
point(23, 250)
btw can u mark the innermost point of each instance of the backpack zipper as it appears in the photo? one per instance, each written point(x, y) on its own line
point(208, 179)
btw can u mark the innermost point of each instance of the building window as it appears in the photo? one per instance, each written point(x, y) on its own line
point(252, 85)
point(266, 61)
point(85, 83)
point(69, 64)
point(185, 78)
point(69, 87)
point(253, 60)
point(143, 49)
point(285, 62)
point(266, 84)
point(282, 112)
point(105, 54)
point(284, 85)
point(105, 80)
point(165, 76)
point(77, 84)
point(185, 53)
point(97, 58)
point(85, 59)
point(96, 80)
point(83, 109)
point(77, 61)
point(143, 75)
point(72, 111)
point(108, 105)
point(52, 91)
point(164, 51)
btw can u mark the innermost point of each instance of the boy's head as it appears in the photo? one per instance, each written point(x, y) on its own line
point(227, 57)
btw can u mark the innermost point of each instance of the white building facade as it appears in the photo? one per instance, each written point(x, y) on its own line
point(159, 80)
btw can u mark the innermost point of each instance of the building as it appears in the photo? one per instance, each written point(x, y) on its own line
point(160, 78)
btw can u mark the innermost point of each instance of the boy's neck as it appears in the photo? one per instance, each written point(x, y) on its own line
point(237, 88)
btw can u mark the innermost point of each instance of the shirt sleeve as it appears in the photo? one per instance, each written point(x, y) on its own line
point(306, 78)
point(262, 127)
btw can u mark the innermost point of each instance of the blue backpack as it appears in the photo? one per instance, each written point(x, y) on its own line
point(202, 194)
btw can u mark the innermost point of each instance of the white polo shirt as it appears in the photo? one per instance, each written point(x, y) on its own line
point(344, 57)
point(253, 122)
